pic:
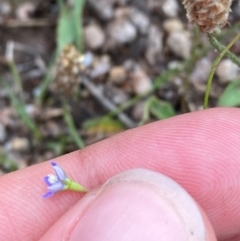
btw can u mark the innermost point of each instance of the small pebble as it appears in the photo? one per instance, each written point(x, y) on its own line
point(129, 64)
point(170, 8)
point(19, 144)
point(201, 71)
point(173, 25)
point(32, 110)
point(122, 31)
point(122, 12)
point(140, 20)
point(24, 10)
point(117, 75)
point(140, 81)
point(227, 71)
point(155, 44)
point(94, 36)
point(138, 110)
point(180, 43)
point(103, 9)
point(101, 67)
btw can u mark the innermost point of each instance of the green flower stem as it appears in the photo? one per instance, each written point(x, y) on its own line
point(214, 66)
point(74, 186)
point(214, 42)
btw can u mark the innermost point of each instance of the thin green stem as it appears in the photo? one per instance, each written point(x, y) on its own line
point(44, 86)
point(72, 128)
point(19, 103)
point(19, 106)
point(213, 69)
point(16, 76)
point(146, 111)
point(214, 42)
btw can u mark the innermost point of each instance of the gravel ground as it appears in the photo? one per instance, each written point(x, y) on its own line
point(143, 62)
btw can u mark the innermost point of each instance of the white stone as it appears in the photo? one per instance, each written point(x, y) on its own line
point(170, 8)
point(101, 67)
point(155, 44)
point(180, 43)
point(140, 20)
point(24, 10)
point(173, 25)
point(19, 144)
point(227, 71)
point(141, 82)
point(201, 71)
point(104, 8)
point(122, 31)
point(94, 36)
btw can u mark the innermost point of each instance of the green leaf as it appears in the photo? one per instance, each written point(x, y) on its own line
point(161, 109)
point(102, 125)
point(231, 95)
point(69, 30)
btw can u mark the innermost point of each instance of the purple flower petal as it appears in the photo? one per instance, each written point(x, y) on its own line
point(48, 194)
point(58, 186)
point(54, 163)
point(59, 171)
point(45, 179)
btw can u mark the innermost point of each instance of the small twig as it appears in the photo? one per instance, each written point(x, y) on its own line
point(213, 69)
point(13, 69)
point(213, 40)
point(13, 23)
point(97, 93)
point(27, 49)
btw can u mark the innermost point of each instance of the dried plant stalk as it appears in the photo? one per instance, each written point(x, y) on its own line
point(210, 15)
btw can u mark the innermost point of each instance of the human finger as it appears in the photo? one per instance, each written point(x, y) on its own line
point(199, 150)
point(137, 204)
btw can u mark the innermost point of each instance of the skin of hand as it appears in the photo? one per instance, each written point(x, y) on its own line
point(200, 151)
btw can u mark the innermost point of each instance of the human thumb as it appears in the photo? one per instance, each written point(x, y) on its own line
point(136, 205)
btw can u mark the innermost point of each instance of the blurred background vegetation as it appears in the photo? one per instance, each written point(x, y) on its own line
point(75, 72)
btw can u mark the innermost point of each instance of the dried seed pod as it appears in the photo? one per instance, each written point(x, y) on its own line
point(70, 65)
point(210, 15)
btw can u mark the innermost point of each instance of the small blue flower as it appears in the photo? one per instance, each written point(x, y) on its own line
point(60, 182)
